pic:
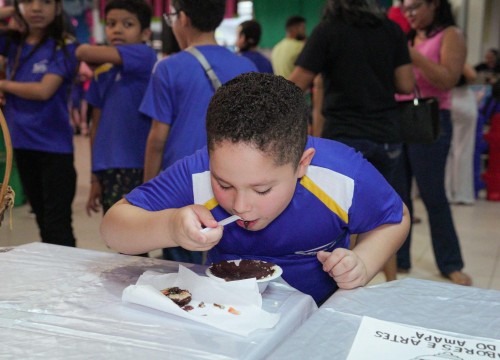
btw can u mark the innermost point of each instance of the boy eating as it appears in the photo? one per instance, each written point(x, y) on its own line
point(296, 195)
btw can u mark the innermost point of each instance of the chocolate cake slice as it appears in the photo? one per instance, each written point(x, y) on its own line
point(179, 296)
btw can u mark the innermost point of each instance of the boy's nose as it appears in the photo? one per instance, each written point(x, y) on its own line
point(241, 205)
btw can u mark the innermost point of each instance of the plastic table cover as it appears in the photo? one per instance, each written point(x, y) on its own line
point(58, 302)
point(330, 332)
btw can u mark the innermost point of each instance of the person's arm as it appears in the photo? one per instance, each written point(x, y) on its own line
point(470, 73)
point(98, 54)
point(132, 230)
point(404, 79)
point(154, 149)
point(356, 267)
point(7, 11)
point(40, 91)
point(95, 194)
point(94, 123)
point(317, 102)
point(303, 78)
point(445, 74)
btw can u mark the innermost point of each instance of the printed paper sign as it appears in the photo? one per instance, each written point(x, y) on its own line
point(378, 339)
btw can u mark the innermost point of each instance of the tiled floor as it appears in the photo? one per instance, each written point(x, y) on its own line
point(478, 227)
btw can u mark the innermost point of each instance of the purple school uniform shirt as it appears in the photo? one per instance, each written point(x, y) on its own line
point(341, 194)
point(263, 64)
point(41, 125)
point(179, 92)
point(117, 90)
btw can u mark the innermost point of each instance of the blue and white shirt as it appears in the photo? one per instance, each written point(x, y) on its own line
point(341, 194)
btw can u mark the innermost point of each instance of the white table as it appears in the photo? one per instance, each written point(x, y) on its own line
point(65, 303)
point(330, 332)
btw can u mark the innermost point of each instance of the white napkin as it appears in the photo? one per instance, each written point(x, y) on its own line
point(243, 296)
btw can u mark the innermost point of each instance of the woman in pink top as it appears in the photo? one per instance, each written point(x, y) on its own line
point(437, 50)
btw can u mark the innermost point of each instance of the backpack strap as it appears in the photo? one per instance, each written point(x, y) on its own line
point(206, 66)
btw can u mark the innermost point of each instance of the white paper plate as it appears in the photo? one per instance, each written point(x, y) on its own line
point(262, 283)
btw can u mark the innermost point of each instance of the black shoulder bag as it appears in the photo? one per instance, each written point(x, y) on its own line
point(419, 119)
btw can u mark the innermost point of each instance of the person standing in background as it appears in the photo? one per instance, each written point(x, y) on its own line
point(169, 44)
point(249, 33)
point(438, 51)
point(41, 67)
point(286, 51)
point(119, 131)
point(79, 106)
point(363, 58)
point(490, 68)
point(179, 91)
point(395, 13)
point(459, 176)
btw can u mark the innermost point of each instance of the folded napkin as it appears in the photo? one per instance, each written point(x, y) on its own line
point(242, 297)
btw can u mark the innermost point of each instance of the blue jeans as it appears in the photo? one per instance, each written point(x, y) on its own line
point(427, 164)
point(384, 157)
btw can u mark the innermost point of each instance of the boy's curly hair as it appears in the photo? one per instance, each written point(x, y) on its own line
point(263, 110)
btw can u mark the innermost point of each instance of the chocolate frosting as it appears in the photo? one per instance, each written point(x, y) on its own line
point(246, 269)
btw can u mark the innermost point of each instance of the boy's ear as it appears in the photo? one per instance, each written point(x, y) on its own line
point(305, 161)
point(183, 19)
point(146, 35)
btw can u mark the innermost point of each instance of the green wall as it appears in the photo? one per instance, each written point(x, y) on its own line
point(272, 15)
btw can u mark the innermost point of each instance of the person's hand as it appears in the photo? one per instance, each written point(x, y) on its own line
point(417, 59)
point(95, 197)
point(185, 228)
point(75, 119)
point(85, 72)
point(16, 23)
point(7, 11)
point(345, 267)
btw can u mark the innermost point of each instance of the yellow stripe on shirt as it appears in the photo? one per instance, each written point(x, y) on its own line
point(210, 204)
point(102, 69)
point(324, 198)
point(202, 190)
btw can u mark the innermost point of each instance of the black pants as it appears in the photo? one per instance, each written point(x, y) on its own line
point(383, 156)
point(49, 180)
point(427, 164)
